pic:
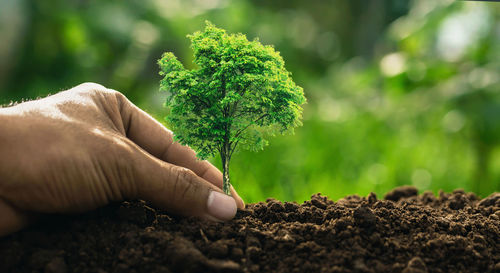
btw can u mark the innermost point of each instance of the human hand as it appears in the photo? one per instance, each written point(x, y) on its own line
point(83, 148)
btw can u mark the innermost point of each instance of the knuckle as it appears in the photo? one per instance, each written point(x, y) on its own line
point(184, 174)
point(120, 99)
point(118, 95)
point(96, 90)
point(184, 183)
point(88, 90)
point(90, 87)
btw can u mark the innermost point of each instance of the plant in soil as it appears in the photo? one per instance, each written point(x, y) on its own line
point(239, 94)
point(402, 232)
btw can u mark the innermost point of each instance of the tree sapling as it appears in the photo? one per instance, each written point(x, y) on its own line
point(239, 93)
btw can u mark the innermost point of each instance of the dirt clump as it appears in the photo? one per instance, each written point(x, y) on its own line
point(406, 232)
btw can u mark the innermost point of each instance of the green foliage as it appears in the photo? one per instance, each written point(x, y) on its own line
point(399, 92)
point(239, 94)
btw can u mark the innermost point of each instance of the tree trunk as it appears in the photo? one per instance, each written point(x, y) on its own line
point(225, 156)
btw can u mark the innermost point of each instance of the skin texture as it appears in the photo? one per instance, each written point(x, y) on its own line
point(85, 147)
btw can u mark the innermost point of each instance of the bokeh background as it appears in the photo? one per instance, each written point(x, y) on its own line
point(399, 92)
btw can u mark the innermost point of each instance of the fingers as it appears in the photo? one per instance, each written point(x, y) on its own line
point(184, 156)
point(180, 190)
point(157, 140)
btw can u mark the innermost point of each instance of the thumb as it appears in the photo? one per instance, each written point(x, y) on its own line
point(180, 191)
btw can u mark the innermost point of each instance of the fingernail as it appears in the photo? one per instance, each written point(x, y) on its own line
point(221, 206)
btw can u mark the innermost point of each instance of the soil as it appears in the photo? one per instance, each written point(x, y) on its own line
point(405, 232)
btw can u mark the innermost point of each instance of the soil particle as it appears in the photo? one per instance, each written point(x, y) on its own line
point(401, 192)
point(218, 249)
point(415, 265)
point(405, 232)
point(364, 217)
point(56, 265)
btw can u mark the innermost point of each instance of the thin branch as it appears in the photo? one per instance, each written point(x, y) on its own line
point(200, 100)
point(250, 124)
point(235, 106)
point(234, 147)
point(242, 113)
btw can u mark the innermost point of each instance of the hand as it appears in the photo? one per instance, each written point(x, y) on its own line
point(82, 148)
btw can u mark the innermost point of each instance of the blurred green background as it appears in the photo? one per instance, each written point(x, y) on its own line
point(399, 92)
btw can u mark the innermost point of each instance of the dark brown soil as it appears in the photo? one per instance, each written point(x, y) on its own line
point(404, 233)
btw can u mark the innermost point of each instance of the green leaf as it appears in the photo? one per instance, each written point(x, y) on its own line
point(239, 94)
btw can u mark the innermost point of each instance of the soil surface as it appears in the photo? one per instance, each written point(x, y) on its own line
point(405, 232)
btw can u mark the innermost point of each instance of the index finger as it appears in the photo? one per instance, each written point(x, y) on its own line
point(157, 140)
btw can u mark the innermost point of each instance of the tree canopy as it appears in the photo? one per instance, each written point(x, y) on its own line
point(239, 93)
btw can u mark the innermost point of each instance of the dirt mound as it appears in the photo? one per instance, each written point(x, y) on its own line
point(454, 232)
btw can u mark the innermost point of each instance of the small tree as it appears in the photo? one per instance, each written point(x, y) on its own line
point(239, 93)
